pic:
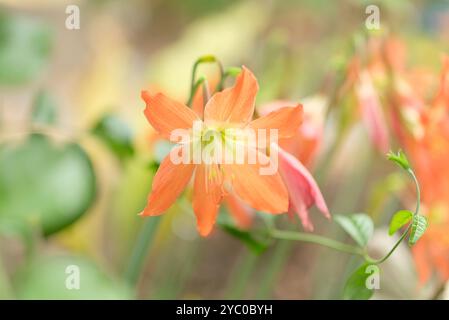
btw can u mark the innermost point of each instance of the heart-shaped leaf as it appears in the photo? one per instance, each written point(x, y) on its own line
point(250, 239)
point(358, 286)
point(359, 226)
point(256, 241)
point(116, 134)
point(419, 226)
point(400, 219)
point(44, 185)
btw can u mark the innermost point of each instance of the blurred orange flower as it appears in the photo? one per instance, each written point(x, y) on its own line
point(425, 135)
point(364, 70)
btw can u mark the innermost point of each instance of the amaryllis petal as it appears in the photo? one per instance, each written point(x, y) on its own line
point(166, 115)
point(169, 181)
point(286, 120)
point(242, 214)
point(236, 104)
point(372, 113)
point(207, 196)
point(262, 192)
point(303, 190)
point(304, 144)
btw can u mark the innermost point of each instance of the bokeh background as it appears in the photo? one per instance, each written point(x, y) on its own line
point(77, 156)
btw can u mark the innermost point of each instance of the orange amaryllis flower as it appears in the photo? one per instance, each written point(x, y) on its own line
point(231, 108)
point(301, 149)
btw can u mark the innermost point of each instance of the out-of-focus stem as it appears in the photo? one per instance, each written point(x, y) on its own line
point(418, 192)
point(277, 262)
point(143, 244)
point(316, 239)
point(241, 275)
point(193, 83)
point(197, 84)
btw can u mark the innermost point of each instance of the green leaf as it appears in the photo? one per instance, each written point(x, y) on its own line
point(254, 242)
point(356, 287)
point(44, 185)
point(400, 159)
point(44, 109)
point(400, 219)
point(45, 277)
point(116, 134)
point(25, 45)
point(359, 226)
point(419, 226)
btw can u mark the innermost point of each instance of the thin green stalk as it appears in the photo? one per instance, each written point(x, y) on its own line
point(175, 275)
point(143, 244)
point(418, 192)
point(418, 202)
point(197, 84)
point(316, 239)
point(193, 82)
point(275, 265)
point(379, 261)
point(241, 275)
point(229, 72)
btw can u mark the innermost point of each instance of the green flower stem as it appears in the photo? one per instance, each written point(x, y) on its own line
point(143, 244)
point(201, 60)
point(274, 268)
point(379, 261)
point(313, 238)
point(418, 192)
point(418, 202)
point(241, 275)
point(200, 81)
point(229, 72)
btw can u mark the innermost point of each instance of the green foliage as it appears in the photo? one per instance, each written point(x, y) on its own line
point(256, 242)
point(44, 185)
point(116, 134)
point(400, 219)
point(400, 159)
point(419, 226)
point(45, 277)
point(25, 46)
point(359, 226)
point(356, 286)
point(44, 109)
point(250, 240)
